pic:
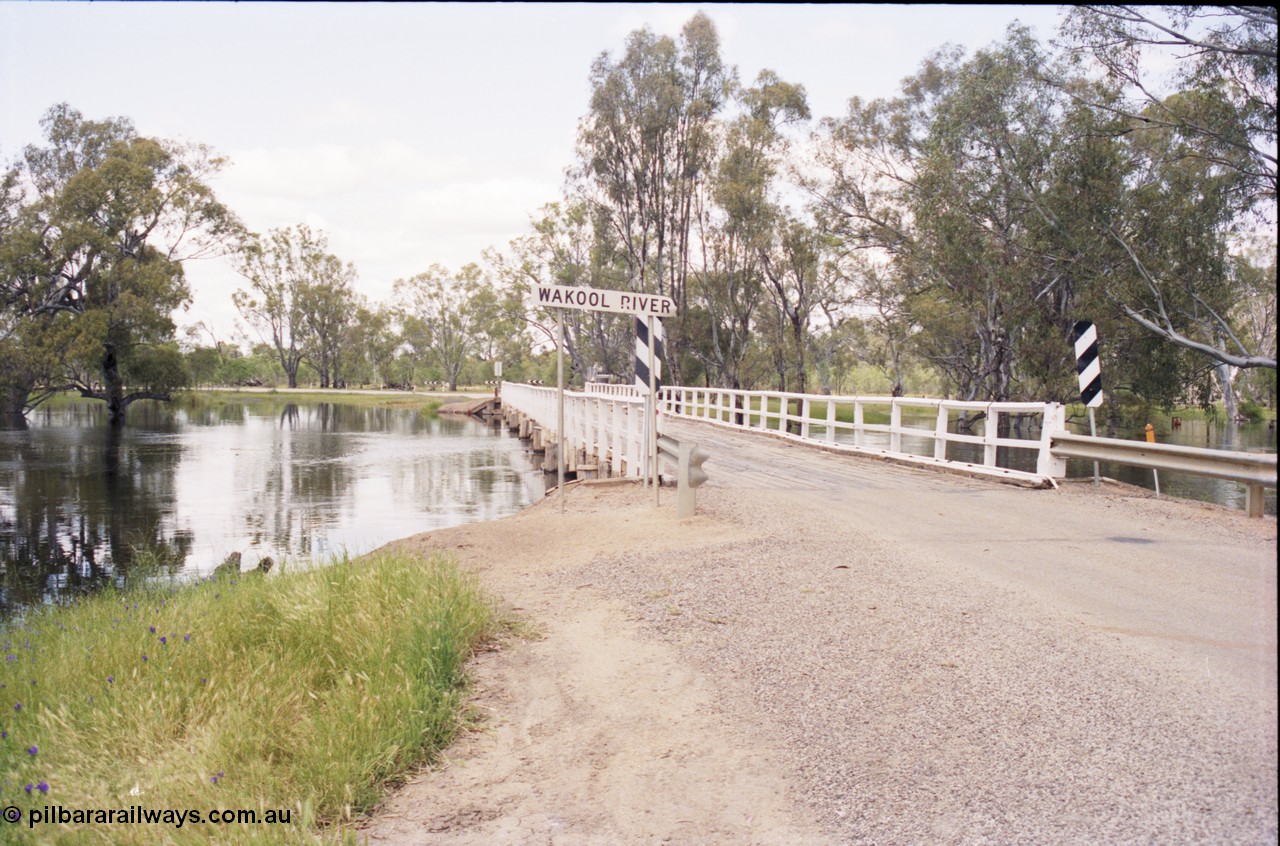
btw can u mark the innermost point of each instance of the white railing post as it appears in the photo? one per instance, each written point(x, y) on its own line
point(857, 424)
point(990, 432)
point(895, 426)
point(831, 421)
point(1052, 421)
point(940, 433)
point(805, 408)
point(616, 439)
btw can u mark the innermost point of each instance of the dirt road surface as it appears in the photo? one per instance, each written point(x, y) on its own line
point(837, 650)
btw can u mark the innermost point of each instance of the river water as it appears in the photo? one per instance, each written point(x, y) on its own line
point(261, 477)
point(302, 481)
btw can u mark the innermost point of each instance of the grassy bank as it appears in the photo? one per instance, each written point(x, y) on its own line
point(274, 398)
point(280, 396)
point(302, 694)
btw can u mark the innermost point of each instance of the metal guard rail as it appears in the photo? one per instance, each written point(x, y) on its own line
point(1254, 470)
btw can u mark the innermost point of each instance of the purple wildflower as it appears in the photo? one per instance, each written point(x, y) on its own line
point(43, 786)
point(151, 629)
point(164, 639)
point(144, 657)
point(17, 706)
point(186, 638)
point(32, 750)
point(29, 788)
point(111, 679)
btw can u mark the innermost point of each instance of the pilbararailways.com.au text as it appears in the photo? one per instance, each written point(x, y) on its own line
point(138, 815)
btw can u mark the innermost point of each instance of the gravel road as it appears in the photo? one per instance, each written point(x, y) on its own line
point(903, 657)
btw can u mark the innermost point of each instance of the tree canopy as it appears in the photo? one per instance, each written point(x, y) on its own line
point(945, 238)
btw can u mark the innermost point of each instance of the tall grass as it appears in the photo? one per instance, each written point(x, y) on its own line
point(303, 693)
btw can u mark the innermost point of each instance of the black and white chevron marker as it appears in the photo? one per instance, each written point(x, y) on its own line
point(642, 353)
point(1087, 365)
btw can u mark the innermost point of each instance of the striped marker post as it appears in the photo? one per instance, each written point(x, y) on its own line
point(649, 355)
point(1089, 371)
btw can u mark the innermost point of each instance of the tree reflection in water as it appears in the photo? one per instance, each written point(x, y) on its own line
point(261, 477)
point(76, 508)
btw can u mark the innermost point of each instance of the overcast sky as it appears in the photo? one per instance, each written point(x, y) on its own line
point(414, 134)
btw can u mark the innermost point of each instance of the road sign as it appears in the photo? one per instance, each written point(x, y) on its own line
point(561, 297)
point(1088, 368)
point(649, 351)
point(593, 299)
point(1089, 371)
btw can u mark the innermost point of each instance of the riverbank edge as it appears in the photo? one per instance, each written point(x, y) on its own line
point(451, 618)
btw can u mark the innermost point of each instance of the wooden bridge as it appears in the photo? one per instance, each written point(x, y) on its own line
point(1139, 606)
point(1022, 443)
point(1168, 569)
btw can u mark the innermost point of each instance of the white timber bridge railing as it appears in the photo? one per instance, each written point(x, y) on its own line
point(605, 425)
point(603, 431)
point(840, 423)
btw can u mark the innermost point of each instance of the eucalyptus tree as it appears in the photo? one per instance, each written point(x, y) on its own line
point(803, 283)
point(502, 318)
point(1255, 312)
point(92, 254)
point(570, 245)
point(923, 182)
point(738, 223)
point(278, 269)
point(1203, 142)
point(991, 195)
point(327, 302)
point(439, 317)
point(645, 149)
point(1226, 53)
point(373, 341)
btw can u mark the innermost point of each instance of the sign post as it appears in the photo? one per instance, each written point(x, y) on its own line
point(560, 407)
point(648, 367)
point(651, 306)
point(652, 415)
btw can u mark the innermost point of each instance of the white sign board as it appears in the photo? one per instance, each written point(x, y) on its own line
point(592, 299)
